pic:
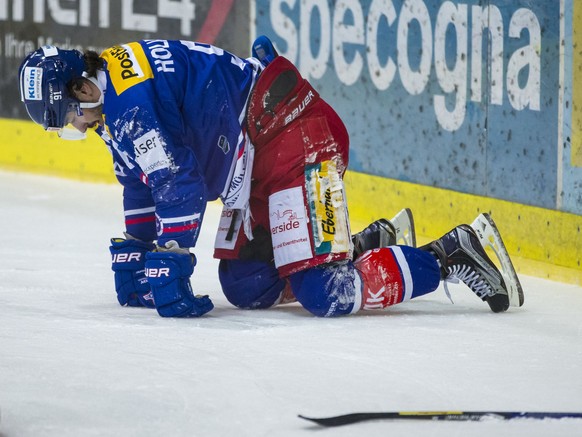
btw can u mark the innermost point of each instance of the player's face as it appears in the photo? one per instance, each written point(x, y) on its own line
point(89, 118)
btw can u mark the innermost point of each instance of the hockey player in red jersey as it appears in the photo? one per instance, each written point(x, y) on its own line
point(205, 124)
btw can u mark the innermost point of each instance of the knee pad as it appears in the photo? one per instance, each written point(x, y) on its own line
point(250, 284)
point(328, 290)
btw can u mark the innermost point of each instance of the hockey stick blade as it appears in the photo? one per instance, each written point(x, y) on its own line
point(489, 236)
point(460, 416)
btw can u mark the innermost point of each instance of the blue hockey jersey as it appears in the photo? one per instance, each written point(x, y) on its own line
point(174, 115)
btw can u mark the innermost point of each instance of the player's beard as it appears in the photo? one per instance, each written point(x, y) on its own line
point(93, 116)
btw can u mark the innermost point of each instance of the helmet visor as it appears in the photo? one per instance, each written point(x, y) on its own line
point(70, 133)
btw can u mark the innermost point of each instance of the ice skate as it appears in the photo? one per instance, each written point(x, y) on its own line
point(384, 233)
point(489, 236)
point(404, 224)
point(462, 257)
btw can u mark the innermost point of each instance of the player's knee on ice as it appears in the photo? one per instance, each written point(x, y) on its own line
point(328, 290)
point(250, 284)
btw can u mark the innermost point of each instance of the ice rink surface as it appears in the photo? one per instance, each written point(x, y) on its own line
point(75, 363)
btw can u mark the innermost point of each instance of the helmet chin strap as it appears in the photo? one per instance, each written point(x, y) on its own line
point(99, 102)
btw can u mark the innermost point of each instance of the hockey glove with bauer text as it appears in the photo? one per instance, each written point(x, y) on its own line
point(128, 264)
point(169, 274)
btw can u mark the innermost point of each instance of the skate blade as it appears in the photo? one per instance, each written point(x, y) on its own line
point(404, 224)
point(489, 236)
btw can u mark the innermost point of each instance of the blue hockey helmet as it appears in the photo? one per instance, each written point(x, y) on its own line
point(43, 78)
point(264, 50)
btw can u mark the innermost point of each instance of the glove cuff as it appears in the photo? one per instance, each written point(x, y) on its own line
point(178, 265)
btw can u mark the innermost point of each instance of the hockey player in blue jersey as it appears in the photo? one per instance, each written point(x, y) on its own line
point(188, 123)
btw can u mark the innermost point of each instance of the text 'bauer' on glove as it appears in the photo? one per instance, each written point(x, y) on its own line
point(128, 264)
point(169, 274)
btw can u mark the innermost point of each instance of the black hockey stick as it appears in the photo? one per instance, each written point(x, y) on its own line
point(347, 419)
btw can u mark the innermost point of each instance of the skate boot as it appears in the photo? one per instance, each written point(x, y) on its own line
point(384, 233)
point(380, 233)
point(462, 257)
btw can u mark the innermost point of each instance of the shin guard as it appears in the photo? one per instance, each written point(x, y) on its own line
point(395, 274)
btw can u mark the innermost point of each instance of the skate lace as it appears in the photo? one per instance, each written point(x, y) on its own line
point(470, 277)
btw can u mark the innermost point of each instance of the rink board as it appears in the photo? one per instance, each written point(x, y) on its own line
point(544, 243)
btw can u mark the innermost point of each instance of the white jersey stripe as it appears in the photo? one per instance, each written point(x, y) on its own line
point(358, 289)
point(139, 211)
point(184, 219)
point(406, 276)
